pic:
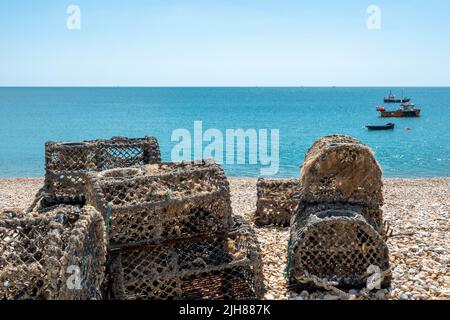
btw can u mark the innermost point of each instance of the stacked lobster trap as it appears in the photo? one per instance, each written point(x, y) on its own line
point(56, 254)
point(223, 266)
point(277, 200)
point(337, 229)
point(67, 164)
point(172, 234)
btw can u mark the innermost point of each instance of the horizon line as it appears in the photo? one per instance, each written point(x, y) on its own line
point(224, 86)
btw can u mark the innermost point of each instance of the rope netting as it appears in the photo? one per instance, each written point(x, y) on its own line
point(161, 202)
point(67, 163)
point(277, 200)
point(339, 246)
point(337, 228)
point(340, 168)
point(54, 254)
point(224, 266)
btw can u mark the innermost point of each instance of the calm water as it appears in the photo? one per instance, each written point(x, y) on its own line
point(30, 116)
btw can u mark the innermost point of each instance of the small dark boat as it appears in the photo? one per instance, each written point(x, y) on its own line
point(388, 126)
point(392, 99)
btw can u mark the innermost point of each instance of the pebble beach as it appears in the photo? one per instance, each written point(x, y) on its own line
point(418, 211)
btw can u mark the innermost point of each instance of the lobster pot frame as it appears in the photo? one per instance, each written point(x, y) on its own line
point(324, 141)
point(67, 163)
point(226, 266)
point(161, 202)
point(339, 246)
point(277, 200)
point(58, 254)
point(371, 213)
point(340, 168)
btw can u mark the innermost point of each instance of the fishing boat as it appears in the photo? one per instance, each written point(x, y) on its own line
point(388, 126)
point(406, 110)
point(392, 99)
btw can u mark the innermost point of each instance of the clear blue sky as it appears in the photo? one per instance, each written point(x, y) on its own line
point(224, 43)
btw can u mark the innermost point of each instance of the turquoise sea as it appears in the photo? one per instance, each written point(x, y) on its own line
point(31, 116)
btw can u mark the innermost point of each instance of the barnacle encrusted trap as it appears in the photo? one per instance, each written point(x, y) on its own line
point(336, 231)
point(172, 233)
point(339, 246)
point(225, 266)
point(160, 202)
point(341, 168)
point(55, 254)
point(277, 200)
point(67, 163)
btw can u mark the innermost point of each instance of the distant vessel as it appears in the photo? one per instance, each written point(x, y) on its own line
point(388, 126)
point(406, 110)
point(392, 99)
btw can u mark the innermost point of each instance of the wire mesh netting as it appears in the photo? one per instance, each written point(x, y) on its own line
point(277, 200)
point(161, 202)
point(226, 266)
point(67, 164)
point(55, 254)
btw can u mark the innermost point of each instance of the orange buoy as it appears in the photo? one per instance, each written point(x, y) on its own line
point(408, 129)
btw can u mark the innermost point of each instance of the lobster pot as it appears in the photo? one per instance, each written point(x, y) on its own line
point(338, 246)
point(226, 266)
point(340, 168)
point(277, 200)
point(58, 254)
point(161, 202)
point(67, 163)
